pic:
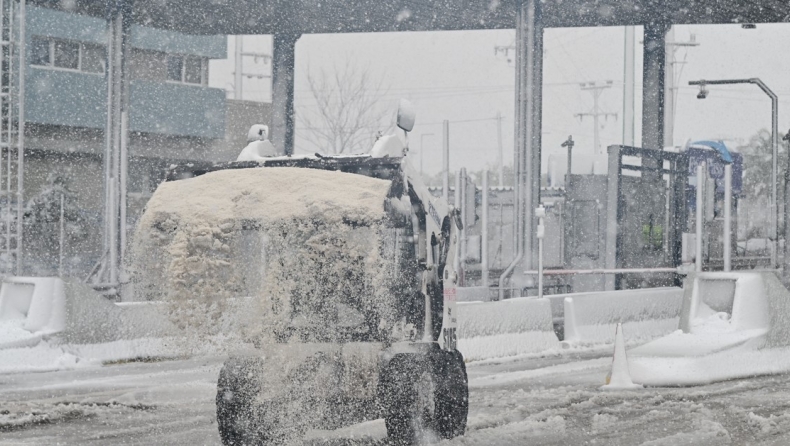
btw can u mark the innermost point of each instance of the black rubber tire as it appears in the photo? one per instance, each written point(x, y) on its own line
point(424, 397)
point(237, 413)
point(399, 398)
point(452, 396)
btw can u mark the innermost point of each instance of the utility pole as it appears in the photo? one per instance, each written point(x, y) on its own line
point(670, 84)
point(239, 62)
point(422, 149)
point(629, 86)
point(446, 161)
point(596, 89)
point(238, 72)
point(499, 119)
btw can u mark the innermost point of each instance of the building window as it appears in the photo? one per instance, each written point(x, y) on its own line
point(193, 70)
point(186, 69)
point(39, 49)
point(175, 68)
point(93, 58)
point(67, 55)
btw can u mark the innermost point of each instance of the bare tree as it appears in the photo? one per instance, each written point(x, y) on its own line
point(347, 113)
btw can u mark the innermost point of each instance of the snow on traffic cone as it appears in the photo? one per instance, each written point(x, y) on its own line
point(619, 378)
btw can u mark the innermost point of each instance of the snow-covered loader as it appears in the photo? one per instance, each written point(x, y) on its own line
point(358, 305)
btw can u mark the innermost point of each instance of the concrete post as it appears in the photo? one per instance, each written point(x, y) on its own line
point(484, 232)
point(238, 62)
point(727, 217)
point(628, 86)
point(786, 265)
point(283, 65)
point(653, 86)
point(540, 213)
point(61, 235)
point(669, 88)
point(531, 163)
point(612, 211)
point(700, 203)
point(116, 137)
point(20, 177)
point(529, 68)
point(536, 124)
point(458, 200)
point(446, 161)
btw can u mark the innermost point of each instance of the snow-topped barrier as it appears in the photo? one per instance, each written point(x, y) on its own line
point(473, 294)
point(505, 328)
point(592, 318)
point(35, 307)
point(732, 325)
point(40, 301)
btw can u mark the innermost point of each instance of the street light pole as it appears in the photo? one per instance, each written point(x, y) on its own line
point(775, 149)
point(421, 148)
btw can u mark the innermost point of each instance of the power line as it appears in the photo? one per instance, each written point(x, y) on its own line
point(371, 127)
point(596, 89)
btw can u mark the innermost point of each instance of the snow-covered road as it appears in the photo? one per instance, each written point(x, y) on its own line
point(547, 401)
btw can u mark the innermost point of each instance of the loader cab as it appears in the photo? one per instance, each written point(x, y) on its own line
point(355, 344)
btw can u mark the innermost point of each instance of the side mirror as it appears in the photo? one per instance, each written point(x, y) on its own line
point(406, 115)
point(455, 214)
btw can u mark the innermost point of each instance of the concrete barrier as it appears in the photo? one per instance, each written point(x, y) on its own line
point(505, 328)
point(91, 318)
point(39, 301)
point(592, 318)
point(32, 308)
point(732, 325)
point(473, 294)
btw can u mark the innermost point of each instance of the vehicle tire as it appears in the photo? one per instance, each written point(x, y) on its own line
point(424, 397)
point(452, 393)
point(238, 416)
point(408, 399)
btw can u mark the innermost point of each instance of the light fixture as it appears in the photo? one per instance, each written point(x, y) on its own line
point(703, 92)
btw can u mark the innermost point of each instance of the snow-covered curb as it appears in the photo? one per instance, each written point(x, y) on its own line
point(48, 356)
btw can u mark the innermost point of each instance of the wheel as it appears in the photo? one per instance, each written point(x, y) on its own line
point(407, 397)
point(424, 397)
point(452, 396)
point(238, 417)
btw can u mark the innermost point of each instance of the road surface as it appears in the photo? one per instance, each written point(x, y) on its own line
point(548, 401)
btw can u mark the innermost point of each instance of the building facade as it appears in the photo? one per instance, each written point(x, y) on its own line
point(174, 117)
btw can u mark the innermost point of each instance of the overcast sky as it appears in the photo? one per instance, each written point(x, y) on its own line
point(457, 76)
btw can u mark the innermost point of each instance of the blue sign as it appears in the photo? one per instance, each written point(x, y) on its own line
point(715, 161)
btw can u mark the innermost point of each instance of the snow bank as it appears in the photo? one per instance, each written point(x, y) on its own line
point(733, 325)
point(592, 318)
point(505, 328)
point(13, 334)
point(739, 362)
point(519, 376)
point(52, 355)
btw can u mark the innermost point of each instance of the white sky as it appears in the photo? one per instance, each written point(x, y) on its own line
point(457, 76)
